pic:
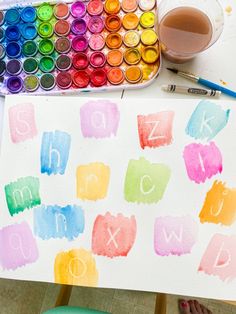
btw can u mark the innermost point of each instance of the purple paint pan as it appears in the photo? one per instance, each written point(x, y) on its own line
point(79, 26)
point(14, 67)
point(78, 9)
point(14, 84)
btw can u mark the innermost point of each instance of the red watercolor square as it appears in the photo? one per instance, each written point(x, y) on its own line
point(113, 236)
point(155, 130)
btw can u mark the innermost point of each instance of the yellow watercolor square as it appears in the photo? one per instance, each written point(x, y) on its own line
point(92, 181)
point(76, 267)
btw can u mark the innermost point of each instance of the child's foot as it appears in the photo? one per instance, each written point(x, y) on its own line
point(192, 307)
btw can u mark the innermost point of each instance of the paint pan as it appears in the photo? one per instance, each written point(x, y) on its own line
point(64, 80)
point(81, 79)
point(133, 74)
point(47, 81)
point(98, 77)
point(46, 64)
point(63, 63)
point(96, 42)
point(30, 65)
point(31, 83)
point(29, 48)
point(61, 11)
point(14, 84)
point(115, 76)
point(14, 67)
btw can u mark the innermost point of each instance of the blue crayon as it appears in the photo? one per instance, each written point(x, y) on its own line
point(28, 14)
point(12, 16)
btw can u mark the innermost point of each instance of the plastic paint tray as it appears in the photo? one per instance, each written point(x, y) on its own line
point(77, 46)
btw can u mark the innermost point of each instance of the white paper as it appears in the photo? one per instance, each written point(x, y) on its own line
point(169, 267)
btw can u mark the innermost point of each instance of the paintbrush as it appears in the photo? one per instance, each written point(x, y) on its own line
point(203, 82)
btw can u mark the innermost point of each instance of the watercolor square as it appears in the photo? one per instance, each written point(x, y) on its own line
point(219, 258)
point(22, 122)
point(174, 235)
point(220, 205)
point(99, 119)
point(92, 181)
point(17, 246)
point(58, 222)
point(207, 120)
point(155, 130)
point(145, 182)
point(202, 161)
point(22, 194)
point(113, 235)
point(76, 267)
point(55, 150)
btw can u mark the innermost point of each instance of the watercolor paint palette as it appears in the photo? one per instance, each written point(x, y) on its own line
point(78, 46)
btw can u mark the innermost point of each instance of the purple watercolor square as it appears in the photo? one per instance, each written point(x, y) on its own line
point(17, 246)
point(174, 235)
point(99, 119)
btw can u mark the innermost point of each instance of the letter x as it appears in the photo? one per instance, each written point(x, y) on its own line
point(112, 237)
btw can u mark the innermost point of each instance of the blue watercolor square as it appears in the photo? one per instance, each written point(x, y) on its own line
point(207, 121)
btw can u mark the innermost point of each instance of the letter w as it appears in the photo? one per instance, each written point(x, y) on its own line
point(172, 234)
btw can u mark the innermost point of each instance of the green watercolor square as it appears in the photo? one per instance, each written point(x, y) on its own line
point(22, 194)
point(145, 182)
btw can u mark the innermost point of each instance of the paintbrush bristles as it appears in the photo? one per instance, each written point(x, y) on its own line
point(173, 70)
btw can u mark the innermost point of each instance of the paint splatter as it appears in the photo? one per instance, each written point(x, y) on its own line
point(223, 82)
point(55, 152)
point(22, 122)
point(219, 258)
point(207, 121)
point(202, 161)
point(113, 235)
point(174, 235)
point(76, 267)
point(58, 222)
point(92, 181)
point(228, 10)
point(145, 182)
point(155, 130)
point(22, 194)
point(99, 119)
point(219, 205)
point(17, 246)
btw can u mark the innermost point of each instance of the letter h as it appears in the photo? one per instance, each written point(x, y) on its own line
point(55, 152)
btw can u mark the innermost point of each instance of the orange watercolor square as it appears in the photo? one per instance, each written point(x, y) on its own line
point(92, 181)
point(219, 205)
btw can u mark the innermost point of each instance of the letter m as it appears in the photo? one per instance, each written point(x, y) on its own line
point(22, 194)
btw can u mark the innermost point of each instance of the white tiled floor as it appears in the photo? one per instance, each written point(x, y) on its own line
point(20, 297)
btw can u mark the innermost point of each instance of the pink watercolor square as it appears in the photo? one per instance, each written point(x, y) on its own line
point(174, 235)
point(17, 246)
point(219, 258)
point(202, 161)
point(155, 129)
point(22, 122)
point(113, 236)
